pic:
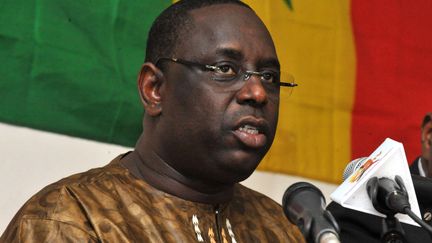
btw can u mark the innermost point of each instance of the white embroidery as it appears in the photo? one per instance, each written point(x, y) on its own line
point(196, 228)
point(230, 232)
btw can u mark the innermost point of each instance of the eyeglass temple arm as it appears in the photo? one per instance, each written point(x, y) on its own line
point(288, 84)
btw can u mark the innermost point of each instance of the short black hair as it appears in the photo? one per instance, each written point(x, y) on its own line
point(426, 119)
point(172, 23)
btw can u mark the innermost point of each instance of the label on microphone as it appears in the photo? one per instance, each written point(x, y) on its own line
point(388, 160)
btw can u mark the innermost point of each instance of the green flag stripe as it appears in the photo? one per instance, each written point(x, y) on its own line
point(71, 66)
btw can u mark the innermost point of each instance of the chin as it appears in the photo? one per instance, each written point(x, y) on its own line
point(239, 167)
point(232, 177)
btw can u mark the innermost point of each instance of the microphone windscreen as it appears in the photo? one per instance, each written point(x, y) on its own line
point(304, 206)
point(294, 197)
point(352, 166)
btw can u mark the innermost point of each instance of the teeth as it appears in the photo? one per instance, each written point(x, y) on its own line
point(249, 129)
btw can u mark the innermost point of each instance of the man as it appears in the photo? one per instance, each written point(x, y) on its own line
point(210, 88)
point(361, 227)
point(422, 165)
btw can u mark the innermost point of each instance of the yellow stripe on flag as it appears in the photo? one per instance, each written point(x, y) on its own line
point(315, 43)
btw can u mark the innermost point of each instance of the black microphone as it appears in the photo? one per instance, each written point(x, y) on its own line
point(304, 205)
point(388, 196)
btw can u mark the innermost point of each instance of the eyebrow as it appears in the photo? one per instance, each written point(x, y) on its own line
point(270, 62)
point(230, 53)
point(238, 56)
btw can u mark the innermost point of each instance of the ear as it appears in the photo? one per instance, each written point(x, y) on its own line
point(150, 80)
point(427, 139)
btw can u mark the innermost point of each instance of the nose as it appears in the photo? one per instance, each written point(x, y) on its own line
point(252, 92)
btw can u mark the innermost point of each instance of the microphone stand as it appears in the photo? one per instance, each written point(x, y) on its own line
point(392, 231)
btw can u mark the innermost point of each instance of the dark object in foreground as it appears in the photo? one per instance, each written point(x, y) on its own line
point(361, 227)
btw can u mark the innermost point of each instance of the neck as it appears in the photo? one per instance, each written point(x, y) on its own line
point(156, 172)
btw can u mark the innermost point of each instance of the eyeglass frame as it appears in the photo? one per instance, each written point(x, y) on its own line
point(206, 67)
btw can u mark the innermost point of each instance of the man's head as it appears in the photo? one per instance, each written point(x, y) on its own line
point(173, 23)
point(207, 115)
point(426, 137)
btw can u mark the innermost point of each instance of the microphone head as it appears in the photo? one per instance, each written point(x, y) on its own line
point(353, 166)
point(304, 206)
point(292, 192)
point(388, 196)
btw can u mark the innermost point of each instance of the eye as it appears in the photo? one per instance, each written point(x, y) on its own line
point(225, 71)
point(270, 76)
point(225, 68)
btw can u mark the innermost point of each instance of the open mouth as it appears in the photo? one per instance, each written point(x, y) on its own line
point(249, 129)
point(251, 134)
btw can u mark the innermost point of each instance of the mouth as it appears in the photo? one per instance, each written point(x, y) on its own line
point(249, 129)
point(251, 133)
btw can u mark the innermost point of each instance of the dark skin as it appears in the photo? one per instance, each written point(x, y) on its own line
point(426, 139)
point(192, 145)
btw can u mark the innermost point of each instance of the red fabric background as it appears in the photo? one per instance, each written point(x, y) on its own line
point(393, 41)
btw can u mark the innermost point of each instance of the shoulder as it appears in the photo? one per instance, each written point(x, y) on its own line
point(63, 205)
point(69, 193)
point(33, 229)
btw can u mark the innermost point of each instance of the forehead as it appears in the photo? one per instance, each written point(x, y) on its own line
point(226, 26)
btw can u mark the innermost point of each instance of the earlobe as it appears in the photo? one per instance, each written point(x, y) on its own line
point(150, 80)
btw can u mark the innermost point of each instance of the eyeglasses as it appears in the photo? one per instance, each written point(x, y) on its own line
point(228, 71)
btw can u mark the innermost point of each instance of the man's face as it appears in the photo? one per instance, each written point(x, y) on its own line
point(209, 131)
point(426, 138)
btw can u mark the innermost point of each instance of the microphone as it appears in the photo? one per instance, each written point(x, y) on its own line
point(304, 205)
point(388, 196)
point(352, 166)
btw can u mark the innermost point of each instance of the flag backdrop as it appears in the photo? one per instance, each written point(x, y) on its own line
point(363, 68)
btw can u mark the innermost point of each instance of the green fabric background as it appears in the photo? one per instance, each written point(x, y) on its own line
point(70, 66)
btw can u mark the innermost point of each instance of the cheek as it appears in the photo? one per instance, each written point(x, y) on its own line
point(197, 107)
point(211, 113)
point(274, 112)
point(206, 102)
point(273, 109)
point(271, 112)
